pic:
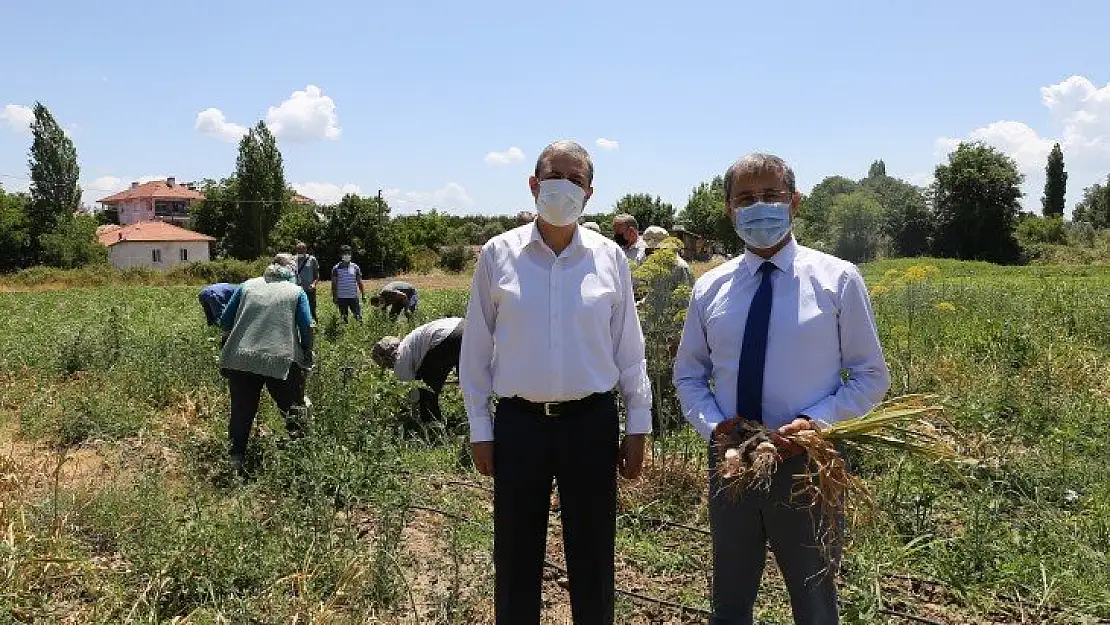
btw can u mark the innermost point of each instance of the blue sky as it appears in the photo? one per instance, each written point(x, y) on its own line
point(413, 97)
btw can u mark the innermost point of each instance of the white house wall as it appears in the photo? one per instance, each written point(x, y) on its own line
point(130, 254)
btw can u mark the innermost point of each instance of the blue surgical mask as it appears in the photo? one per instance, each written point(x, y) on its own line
point(762, 225)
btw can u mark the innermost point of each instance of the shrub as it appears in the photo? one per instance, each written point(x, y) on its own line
point(424, 260)
point(455, 258)
point(223, 270)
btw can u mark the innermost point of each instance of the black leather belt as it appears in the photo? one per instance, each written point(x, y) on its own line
point(559, 408)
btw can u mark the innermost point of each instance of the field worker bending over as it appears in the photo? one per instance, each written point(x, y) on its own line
point(214, 298)
point(429, 354)
point(768, 336)
point(552, 331)
point(397, 297)
point(268, 336)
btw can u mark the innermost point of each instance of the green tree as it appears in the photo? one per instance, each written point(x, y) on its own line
point(55, 196)
point(648, 210)
point(1094, 208)
point(855, 226)
point(73, 243)
point(299, 222)
point(214, 214)
point(877, 170)
point(977, 199)
point(1055, 183)
point(14, 238)
point(705, 215)
point(262, 194)
point(812, 221)
point(907, 222)
point(364, 224)
point(490, 230)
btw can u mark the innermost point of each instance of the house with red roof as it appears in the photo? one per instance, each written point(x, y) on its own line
point(157, 200)
point(154, 244)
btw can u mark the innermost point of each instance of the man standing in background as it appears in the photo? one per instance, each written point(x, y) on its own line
point(626, 232)
point(308, 274)
point(347, 290)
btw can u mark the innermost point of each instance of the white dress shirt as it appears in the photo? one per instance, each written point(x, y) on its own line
point(411, 351)
point(821, 325)
point(552, 328)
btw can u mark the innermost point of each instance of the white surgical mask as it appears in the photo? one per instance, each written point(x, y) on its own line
point(762, 225)
point(560, 202)
point(346, 258)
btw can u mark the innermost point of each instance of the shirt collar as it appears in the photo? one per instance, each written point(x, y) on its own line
point(783, 259)
point(534, 237)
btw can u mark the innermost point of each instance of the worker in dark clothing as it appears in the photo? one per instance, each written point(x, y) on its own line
point(214, 298)
point(429, 354)
point(398, 297)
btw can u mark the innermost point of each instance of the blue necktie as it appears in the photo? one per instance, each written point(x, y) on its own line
point(753, 352)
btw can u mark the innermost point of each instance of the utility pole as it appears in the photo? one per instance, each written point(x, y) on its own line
point(381, 234)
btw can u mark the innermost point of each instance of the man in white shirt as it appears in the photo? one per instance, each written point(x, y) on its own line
point(429, 354)
point(551, 331)
point(768, 337)
point(626, 232)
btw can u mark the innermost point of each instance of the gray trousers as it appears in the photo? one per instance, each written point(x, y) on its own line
point(742, 529)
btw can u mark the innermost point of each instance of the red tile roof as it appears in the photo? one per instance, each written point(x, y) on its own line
point(149, 231)
point(157, 189)
point(301, 199)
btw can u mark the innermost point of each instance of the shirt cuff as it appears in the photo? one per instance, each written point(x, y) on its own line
point(481, 423)
point(705, 427)
point(639, 421)
point(823, 413)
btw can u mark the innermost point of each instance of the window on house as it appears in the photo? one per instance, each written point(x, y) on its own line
point(184, 255)
point(156, 256)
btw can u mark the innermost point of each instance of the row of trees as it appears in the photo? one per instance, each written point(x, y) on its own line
point(970, 211)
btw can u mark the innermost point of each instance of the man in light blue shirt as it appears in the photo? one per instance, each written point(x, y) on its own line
point(785, 335)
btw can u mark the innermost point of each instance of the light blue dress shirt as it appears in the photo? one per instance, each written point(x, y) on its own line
point(824, 360)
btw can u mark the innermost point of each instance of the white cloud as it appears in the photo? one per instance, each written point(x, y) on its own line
point(307, 115)
point(608, 144)
point(18, 117)
point(326, 192)
point(511, 155)
point(103, 183)
point(211, 121)
point(1081, 111)
point(451, 197)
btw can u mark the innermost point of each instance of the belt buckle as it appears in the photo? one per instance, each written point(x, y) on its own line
point(547, 405)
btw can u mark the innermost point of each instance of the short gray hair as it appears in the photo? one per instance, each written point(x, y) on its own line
point(568, 147)
point(285, 259)
point(282, 267)
point(758, 163)
point(625, 219)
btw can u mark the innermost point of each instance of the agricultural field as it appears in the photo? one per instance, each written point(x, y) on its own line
point(116, 504)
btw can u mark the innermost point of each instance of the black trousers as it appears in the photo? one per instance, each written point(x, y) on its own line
point(311, 301)
point(579, 450)
point(246, 392)
point(434, 369)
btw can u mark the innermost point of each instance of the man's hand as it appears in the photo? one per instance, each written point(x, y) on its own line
point(724, 426)
point(483, 457)
point(631, 459)
point(788, 448)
